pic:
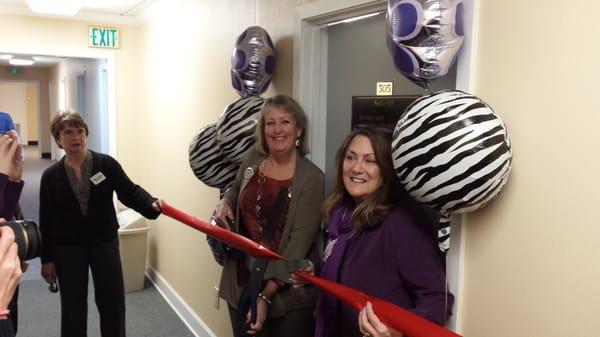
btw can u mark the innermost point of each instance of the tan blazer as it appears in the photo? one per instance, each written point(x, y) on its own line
point(301, 230)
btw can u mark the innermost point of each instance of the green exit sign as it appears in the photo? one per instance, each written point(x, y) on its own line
point(103, 37)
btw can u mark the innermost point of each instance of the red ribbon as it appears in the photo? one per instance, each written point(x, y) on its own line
point(232, 239)
point(391, 315)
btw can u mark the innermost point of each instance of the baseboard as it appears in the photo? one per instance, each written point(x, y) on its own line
point(46, 155)
point(187, 315)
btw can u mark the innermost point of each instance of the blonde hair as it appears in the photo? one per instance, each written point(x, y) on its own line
point(290, 106)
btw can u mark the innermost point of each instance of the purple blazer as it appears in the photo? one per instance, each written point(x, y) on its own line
point(397, 261)
point(9, 196)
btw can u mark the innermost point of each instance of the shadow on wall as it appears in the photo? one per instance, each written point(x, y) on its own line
point(282, 80)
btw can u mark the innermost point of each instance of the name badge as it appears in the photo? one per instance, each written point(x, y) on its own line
point(98, 178)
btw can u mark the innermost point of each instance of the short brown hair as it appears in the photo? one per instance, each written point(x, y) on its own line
point(292, 107)
point(66, 119)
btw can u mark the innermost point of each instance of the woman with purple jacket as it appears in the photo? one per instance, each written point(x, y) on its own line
point(379, 242)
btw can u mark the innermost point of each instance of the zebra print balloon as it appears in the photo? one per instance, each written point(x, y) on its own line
point(452, 152)
point(235, 127)
point(207, 162)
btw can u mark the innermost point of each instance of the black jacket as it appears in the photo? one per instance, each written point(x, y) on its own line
point(61, 219)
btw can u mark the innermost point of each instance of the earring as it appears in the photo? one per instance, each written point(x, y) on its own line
point(298, 142)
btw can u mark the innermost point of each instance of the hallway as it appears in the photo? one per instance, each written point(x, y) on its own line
point(33, 167)
point(148, 314)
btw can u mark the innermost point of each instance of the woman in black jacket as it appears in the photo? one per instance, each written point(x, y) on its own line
point(79, 226)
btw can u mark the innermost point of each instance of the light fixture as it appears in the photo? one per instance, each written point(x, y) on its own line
point(21, 61)
point(352, 19)
point(56, 7)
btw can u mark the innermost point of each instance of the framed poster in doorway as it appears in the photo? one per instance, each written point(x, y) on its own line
point(379, 111)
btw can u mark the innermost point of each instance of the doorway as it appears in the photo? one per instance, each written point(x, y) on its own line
point(311, 81)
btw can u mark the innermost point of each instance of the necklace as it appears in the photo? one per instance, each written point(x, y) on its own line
point(260, 217)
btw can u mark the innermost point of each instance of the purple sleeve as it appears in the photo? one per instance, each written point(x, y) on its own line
point(9, 196)
point(420, 266)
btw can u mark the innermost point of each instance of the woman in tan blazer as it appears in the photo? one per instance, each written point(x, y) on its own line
point(276, 200)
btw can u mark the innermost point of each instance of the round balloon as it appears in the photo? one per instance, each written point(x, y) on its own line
point(235, 127)
point(424, 36)
point(206, 160)
point(452, 152)
point(252, 62)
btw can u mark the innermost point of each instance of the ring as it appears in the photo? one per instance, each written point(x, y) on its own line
point(366, 334)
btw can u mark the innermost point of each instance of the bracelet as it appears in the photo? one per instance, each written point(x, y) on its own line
point(264, 298)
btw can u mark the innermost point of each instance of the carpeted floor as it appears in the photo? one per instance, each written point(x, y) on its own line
point(148, 314)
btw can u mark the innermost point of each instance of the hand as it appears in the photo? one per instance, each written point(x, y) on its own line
point(370, 325)
point(261, 315)
point(10, 163)
point(298, 282)
point(10, 267)
point(49, 272)
point(223, 214)
point(157, 205)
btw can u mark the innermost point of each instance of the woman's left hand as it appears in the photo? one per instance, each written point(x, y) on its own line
point(297, 281)
point(370, 325)
point(262, 307)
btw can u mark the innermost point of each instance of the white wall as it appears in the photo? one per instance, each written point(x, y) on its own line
point(61, 37)
point(532, 255)
point(92, 113)
point(185, 84)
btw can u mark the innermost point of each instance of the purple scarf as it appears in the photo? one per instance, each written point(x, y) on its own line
point(339, 228)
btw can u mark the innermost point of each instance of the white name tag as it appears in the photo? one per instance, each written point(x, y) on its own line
point(98, 178)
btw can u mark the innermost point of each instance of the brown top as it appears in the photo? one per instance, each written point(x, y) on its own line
point(81, 189)
point(249, 202)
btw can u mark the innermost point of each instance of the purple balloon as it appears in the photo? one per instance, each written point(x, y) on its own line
point(252, 62)
point(424, 36)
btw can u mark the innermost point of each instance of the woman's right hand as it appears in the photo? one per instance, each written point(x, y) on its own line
point(49, 272)
point(223, 214)
point(370, 325)
point(10, 267)
point(9, 163)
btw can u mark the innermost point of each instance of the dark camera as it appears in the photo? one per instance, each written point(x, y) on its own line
point(27, 237)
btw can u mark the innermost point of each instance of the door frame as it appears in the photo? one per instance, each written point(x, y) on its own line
point(310, 89)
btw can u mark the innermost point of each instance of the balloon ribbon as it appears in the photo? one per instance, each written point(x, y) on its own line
point(391, 315)
point(232, 239)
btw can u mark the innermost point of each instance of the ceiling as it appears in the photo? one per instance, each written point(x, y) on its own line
point(40, 61)
point(109, 11)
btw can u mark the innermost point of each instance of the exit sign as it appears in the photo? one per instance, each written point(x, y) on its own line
point(103, 37)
